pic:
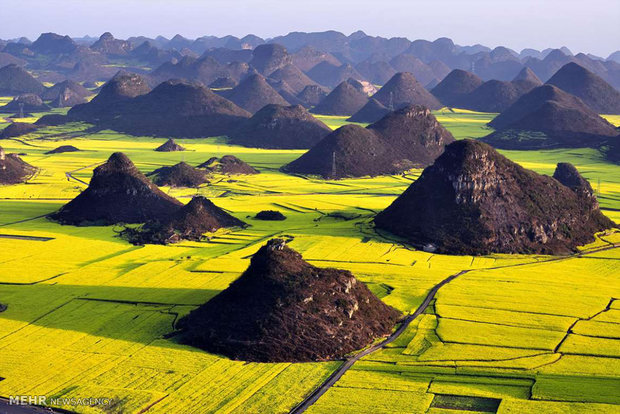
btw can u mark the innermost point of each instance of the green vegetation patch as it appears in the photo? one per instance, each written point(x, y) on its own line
point(461, 402)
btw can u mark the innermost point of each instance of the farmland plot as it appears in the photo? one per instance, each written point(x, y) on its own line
point(95, 314)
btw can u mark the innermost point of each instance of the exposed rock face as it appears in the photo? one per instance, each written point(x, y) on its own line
point(404, 139)
point(63, 148)
point(15, 80)
point(253, 93)
point(363, 86)
point(459, 83)
point(568, 175)
point(190, 222)
point(228, 164)
point(403, 89)
point(173, 109)
point(108, 45)
point(28, 102)
point(117, 193)
point(414, 133)
point(67, 98)
point(311, 95)
point(345, 99)
point(282, 309)
point(170, 146)
point(473, 200)
point(13, 170)
point(122, 87)
point(600, 96)
point(17, 129)
point(276, 126)
point(270, 57)
point(548, 117)
point(270, 215)
point(371, 112)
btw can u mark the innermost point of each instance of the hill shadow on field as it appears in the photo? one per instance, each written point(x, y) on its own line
point(133, 314)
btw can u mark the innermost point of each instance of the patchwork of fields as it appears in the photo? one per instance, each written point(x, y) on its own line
point(88, 314)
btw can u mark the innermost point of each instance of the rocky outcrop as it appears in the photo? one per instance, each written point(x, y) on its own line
point(190, 222)
point(473, 200)
point(117, 193)
point(228, 164)
point(170, 146)
point(13, 170)
point(282, 309)
point(178, 175)
point(408, 138)
point(311, 95)
point(62, 149)
point(107, 104)
point(270, 215)
point(25, 103)
point(17, 129)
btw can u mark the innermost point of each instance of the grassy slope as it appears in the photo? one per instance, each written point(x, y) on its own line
point(496, 332)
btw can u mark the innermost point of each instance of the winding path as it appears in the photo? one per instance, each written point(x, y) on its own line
point(336, 375)
point(316, 394)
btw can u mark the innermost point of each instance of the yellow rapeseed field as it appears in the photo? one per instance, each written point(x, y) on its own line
point(88, 314)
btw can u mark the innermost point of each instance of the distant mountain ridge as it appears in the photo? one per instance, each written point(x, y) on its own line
point(295, 60)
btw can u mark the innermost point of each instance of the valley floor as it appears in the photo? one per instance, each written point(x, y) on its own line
point(88, 315)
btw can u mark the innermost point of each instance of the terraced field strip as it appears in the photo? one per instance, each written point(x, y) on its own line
point(314, 396)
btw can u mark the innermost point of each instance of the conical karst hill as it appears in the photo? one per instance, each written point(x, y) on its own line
point(473, 200)
point(283, 309)
point(117, 193)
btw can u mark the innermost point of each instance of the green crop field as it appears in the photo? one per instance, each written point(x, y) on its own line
point(88, 314)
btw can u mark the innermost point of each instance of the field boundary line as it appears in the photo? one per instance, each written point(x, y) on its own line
point(336, 375)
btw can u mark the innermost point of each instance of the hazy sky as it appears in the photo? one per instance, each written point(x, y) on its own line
point(583, 25)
